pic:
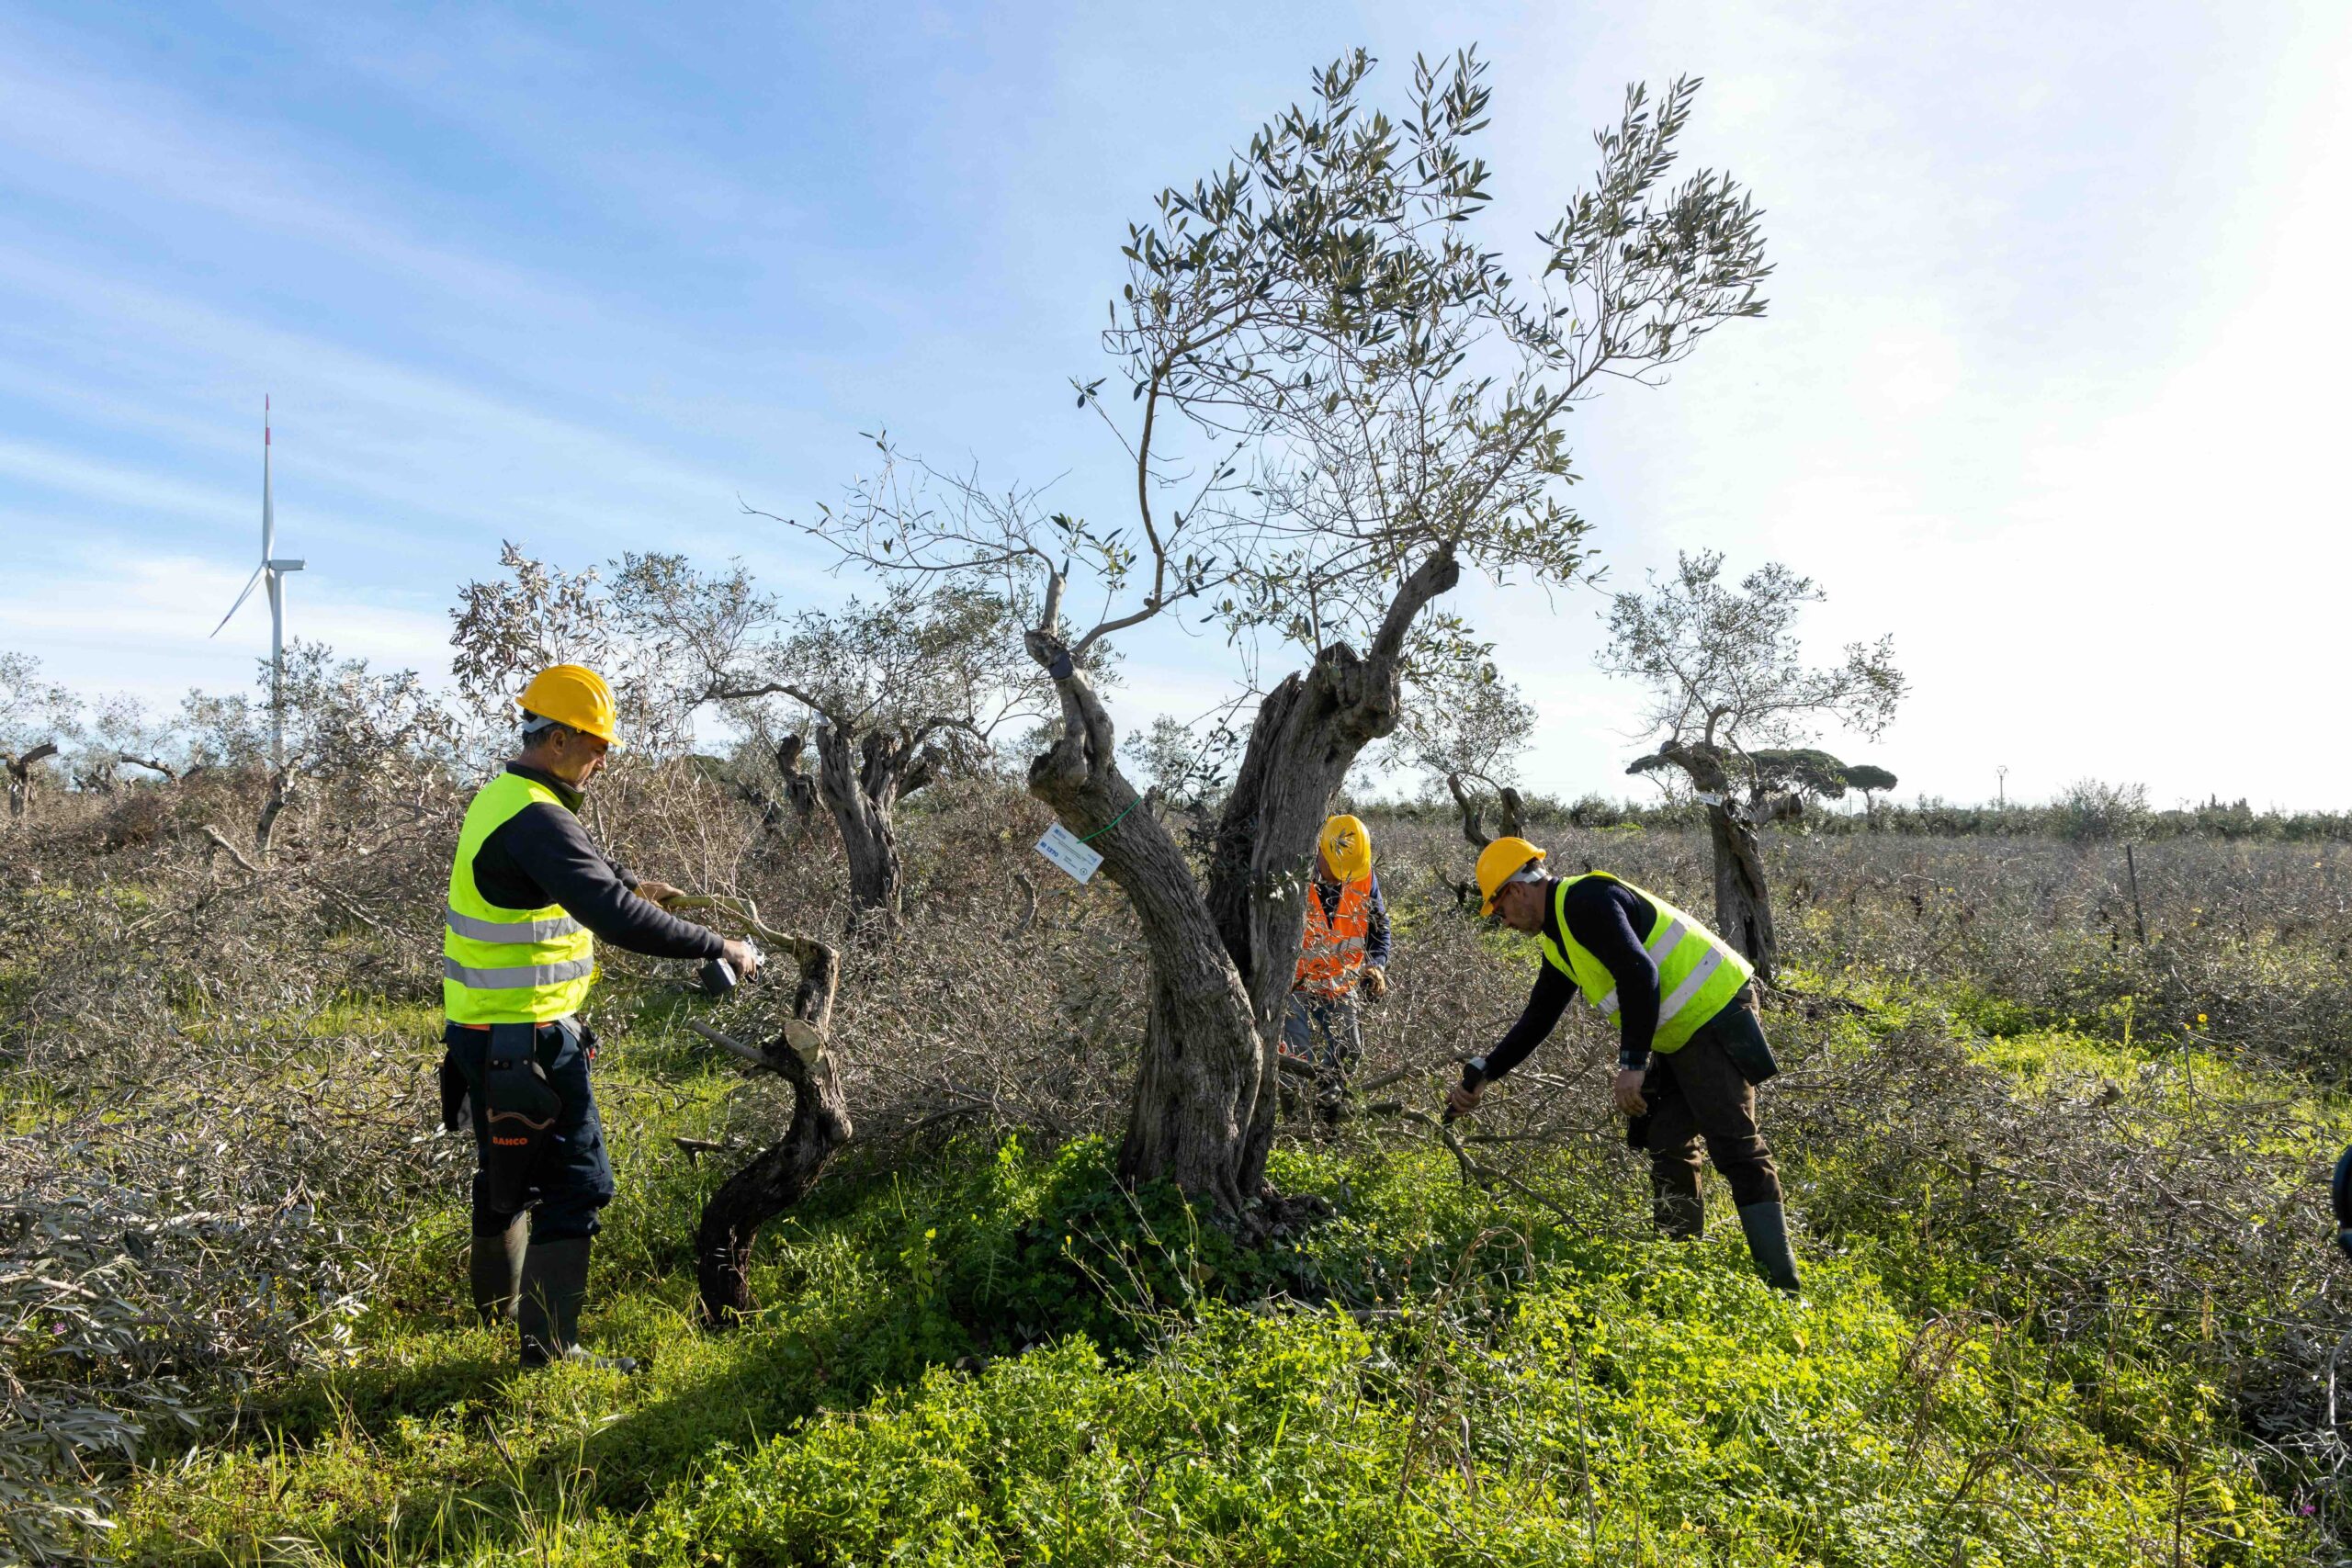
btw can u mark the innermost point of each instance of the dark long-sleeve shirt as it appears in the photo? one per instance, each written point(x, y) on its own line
point(1605, 918)
point(542, 855)
point(1375, 933)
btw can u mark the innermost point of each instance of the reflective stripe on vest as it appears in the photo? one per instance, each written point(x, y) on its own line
point(1332, 952)
point(502, 966)
point(1698, 972)
point(523, 977)
point(510, 930)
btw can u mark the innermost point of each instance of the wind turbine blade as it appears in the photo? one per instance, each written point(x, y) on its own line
point(269, 522)
point(241, 598)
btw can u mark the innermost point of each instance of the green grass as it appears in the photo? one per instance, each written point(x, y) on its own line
point(1524, 1395)
point(996, 1355)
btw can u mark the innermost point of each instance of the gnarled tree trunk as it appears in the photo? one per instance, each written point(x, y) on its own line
point(21, 775)
point(1201, 1069)
point(1222, 957)
point(799, 801)
point(281, 795)
point(783, 1173)
point(860, 778)
point(799, 789)
point(1742, 900)
point(1512, 813)
point(1743, 903)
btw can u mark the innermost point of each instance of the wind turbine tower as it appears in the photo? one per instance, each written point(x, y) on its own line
point(275, 570)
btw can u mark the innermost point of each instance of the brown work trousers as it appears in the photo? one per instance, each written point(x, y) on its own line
point(1697, 1096)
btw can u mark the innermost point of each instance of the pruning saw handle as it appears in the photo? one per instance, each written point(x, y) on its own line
point(1473, 1077)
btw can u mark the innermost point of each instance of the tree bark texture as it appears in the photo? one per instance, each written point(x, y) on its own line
point(1222, 958)
point(860, 778)
point(1512, 813)
point(783, 1174)
point(281, 795)
point(799, 789)
point(1197, 1089)
point(20, 776)
point(1743, 898)
point(1743, 902)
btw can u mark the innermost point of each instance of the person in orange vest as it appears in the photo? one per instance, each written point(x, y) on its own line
point(1346, 946)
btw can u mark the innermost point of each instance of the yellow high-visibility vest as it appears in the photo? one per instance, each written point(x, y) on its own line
point(1698, 972)
point(501, 966)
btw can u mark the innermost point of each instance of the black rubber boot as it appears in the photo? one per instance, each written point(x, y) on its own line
point(1767, 1242)
point(554, 1282)
point(496, 1267)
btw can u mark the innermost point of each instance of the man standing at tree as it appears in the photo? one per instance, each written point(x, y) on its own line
point(529, 894)
point(1346, 945)
point(1690, 1049)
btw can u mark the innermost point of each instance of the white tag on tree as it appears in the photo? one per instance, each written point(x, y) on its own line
point(1706, 799)
point(1067, 850)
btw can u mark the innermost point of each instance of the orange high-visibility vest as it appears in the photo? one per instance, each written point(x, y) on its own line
point(1333, 949)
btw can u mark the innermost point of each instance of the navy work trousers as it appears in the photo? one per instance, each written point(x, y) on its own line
point(573, 1178)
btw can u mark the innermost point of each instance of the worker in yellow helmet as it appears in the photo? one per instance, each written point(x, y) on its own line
point(1346, 945)
point(1689, 1048)
point(529, 894)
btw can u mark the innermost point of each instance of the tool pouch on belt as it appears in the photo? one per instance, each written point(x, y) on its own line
point(1742, 1041)
point(521, 1111)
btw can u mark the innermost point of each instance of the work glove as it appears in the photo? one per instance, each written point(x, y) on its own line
point(1376, 982)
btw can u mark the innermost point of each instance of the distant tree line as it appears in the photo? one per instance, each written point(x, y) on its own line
point(2087, 812)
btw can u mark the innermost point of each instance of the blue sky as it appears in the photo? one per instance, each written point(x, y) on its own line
point(2048, 389)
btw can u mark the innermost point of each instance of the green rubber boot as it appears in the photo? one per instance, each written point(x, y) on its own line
point(554, 1282)
point(496, 1268)
point(1768, 1242)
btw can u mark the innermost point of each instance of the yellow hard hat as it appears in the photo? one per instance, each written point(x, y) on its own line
point(1346, 844)
point(1499, 861)
point(573, 695)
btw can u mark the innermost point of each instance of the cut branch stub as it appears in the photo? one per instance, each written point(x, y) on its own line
point(781, 1174)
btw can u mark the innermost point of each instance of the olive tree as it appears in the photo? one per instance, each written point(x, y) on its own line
point(117, 732)
point(1733, 697)
point(1464, 726)
point(1337, 398)
point(900, 691)
point(347, 726)
point(37, 716)
point(503, 630)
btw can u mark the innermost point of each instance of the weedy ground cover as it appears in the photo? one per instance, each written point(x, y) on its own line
point(2059, 1200)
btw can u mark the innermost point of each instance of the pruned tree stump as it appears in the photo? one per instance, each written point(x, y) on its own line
point(781, 1174)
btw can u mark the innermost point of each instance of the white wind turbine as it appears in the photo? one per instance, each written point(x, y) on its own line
point(275, 570)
